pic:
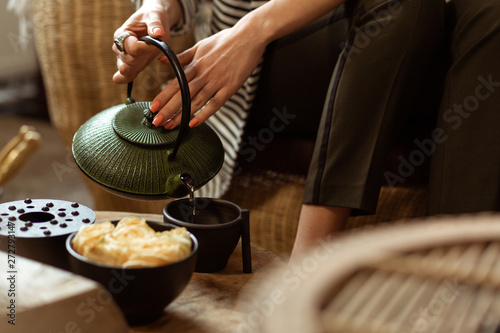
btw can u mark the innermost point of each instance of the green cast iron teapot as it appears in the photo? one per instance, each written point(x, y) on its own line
point(120, 149)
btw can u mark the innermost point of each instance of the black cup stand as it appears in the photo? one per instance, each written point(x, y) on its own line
point(246, 249)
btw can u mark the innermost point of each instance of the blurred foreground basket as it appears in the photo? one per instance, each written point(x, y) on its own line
point(434, 275)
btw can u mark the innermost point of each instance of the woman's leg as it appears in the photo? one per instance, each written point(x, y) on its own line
point(315, 223)
point(465, 169)
point(372, 92)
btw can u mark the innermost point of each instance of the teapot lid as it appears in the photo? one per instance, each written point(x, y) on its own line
point(134, 124)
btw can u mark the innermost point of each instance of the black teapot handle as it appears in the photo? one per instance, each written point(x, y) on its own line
point(183, 85)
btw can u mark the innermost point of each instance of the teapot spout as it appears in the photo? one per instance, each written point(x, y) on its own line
point(180, 185)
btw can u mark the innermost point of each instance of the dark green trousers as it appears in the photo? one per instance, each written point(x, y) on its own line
point(394, 52)
point(465, 169)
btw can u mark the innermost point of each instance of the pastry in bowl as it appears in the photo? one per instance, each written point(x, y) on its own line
point(132, 243)
point(144, 265)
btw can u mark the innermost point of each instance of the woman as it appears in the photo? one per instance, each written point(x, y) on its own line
point(379, 76)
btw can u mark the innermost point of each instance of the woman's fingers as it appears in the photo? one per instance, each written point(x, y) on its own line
point(169, 101)
point(187, 56)
point(168, 109)
point(209, 110)
point(136, 57)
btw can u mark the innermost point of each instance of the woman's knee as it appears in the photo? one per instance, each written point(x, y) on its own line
point(476, 23)
point(478, 13)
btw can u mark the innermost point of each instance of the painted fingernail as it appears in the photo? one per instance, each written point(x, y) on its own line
point(158, 31)
point(158, 121)
point(194, 122)
point(163, 59)
point(155, 106)
point(168, 124)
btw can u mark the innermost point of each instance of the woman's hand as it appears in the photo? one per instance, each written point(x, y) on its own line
point(154, 18)
point(215, 68)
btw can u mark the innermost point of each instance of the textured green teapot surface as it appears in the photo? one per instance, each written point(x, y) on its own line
point(120, 149)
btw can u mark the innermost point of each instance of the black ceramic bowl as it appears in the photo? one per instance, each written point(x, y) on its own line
point(141, 293)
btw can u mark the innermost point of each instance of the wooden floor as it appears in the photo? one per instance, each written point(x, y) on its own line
point(50, 172)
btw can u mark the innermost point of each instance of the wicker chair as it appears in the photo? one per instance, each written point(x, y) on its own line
point(274, 200)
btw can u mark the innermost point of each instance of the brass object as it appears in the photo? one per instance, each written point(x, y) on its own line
point(17, 152)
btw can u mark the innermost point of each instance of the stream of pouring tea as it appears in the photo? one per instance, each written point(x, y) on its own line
point(191, 203)
point(189, 182)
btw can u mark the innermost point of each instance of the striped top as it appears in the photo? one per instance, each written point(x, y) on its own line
point(229, 121)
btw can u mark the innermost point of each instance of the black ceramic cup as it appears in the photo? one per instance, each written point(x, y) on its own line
point(218, 225)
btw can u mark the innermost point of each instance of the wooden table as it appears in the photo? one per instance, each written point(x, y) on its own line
point(206, 305)
point(209, 297)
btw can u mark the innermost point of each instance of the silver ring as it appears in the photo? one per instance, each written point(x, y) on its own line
point(119, 41)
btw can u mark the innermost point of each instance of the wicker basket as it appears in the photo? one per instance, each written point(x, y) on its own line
point(274, 200)
point(73, 41)
point(434, 275)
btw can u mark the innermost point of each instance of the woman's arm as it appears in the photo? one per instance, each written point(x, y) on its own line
point(278, 18)
point(217, 66)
